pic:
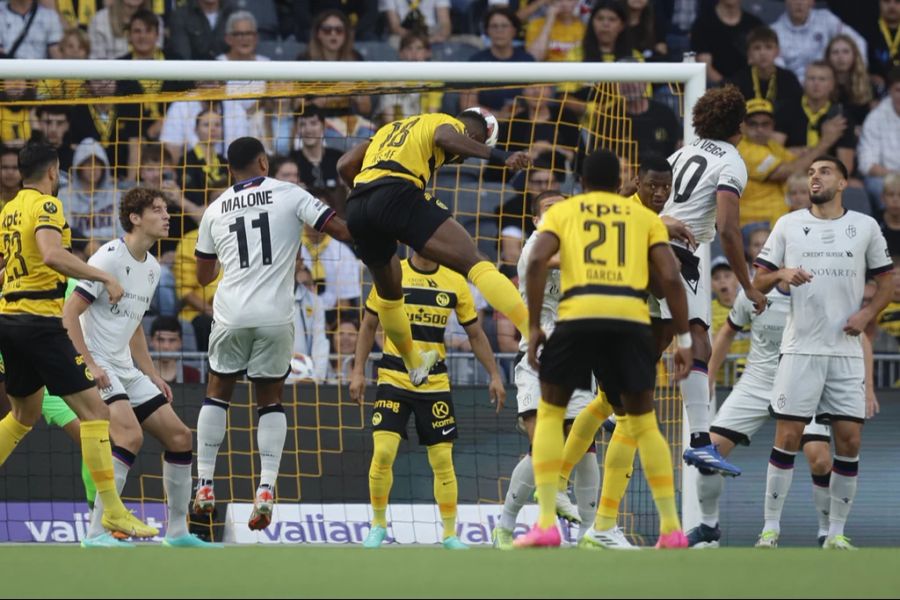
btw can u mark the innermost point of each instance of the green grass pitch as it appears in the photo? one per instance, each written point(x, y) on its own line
point(37, 571)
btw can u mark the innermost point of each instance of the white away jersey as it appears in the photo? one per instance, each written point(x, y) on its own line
point(766, 331)
point(840, 254)
point(108, 328)
point(699, 170)
point(552, 291)
point(254, 229)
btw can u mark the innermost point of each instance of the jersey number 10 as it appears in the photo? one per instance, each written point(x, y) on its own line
point(262, 223)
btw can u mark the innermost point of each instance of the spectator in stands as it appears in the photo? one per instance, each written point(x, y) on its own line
point(884, 46)
point(423, 16)
point(15, 119)
point(166, 336)
point(680, 16)
point(804, 33)
point(205, 171)
point(414, 47)
point(796, 194)
point(10, 178)
point(755, 236)
point(285, 168)
point(53, 121)
point(318, 164)
point(557, 36)
point(196, 300)
point(605, 39)
point(24, 36)
point(74, 45)
point(179, 129)
point(890, 220)
point(889, 319)
point(540, 123)
point(310, 337)
point(803, 124)
point(646, 29)
point(719, 37)
point(654, 126)
point(89, 200)
point(879, 145)
point(343, 344)
point(854, 87)
point(762, 78)
point(502, 25)
point(770, 164)
point(101, 122)
point(363, 14)
point(333, 41)
point(108, 30)
point(334, 267)
point(197, 29)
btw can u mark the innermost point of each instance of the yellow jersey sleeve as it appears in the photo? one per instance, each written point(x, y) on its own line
point(372, 301)
point(465, 304)
point(658, 232)
point(47, 213)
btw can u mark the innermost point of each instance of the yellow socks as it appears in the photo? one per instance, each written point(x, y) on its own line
point(546, 458)
point(11, 433)
point(617, 467)
point(656, 459)
point(582, 435)
point(440, 457)
point(96, 452)
point(396, 326)
point(381, 474)
point(500, 293)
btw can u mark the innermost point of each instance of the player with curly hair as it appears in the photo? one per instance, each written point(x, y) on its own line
point(709, 178)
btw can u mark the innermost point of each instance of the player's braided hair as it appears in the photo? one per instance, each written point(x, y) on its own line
point(134, 202)
point(719, 113)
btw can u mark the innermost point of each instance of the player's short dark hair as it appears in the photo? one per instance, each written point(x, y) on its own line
point(147, 17)
point(242, 152)
point(507, 12)
point(836, 162)
point(35, 157)
point(600, 171)
point(654, 162)
point(166, 323)
point(475, 119)
point(134, 202)
point(764, 34)
point(536, 201)
point(719, 113)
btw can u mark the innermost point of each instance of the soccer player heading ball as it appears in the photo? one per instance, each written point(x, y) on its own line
point(388, 204)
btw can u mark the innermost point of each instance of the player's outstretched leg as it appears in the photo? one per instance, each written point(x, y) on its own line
point(446, 492)
point(618, 466)
point(381, 478)
point(581, 436)
point(521, 488)
point(211, 427)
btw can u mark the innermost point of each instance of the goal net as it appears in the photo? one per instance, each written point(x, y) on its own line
point(166, 124)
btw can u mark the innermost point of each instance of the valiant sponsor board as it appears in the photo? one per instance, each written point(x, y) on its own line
point(349, 524)
point(61, 522)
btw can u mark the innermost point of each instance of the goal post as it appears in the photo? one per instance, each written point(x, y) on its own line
point(310, 79)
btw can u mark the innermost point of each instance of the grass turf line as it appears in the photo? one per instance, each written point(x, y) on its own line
point(309, 571)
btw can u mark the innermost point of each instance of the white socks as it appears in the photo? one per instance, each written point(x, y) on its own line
point(586, 474)
point(709, 490)
point(521, 487)
point(270, 435)
point(695, 393)
point(210, 434)
point(177, 483)
point(778, 484)
point(842, 491)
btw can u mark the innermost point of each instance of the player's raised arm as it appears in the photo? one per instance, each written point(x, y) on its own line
point(545, 246)
point(457, 144)
point(665, 273)
point(350, 163)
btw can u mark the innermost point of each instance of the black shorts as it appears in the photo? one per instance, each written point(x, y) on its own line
point(435, 418)
point(381, 213)
point(37, 352)
point(620, 354)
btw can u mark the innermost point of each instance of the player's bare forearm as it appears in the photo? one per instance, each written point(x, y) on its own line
point(668, 278)
point(481, 348)
point(764, 280)
point(724, 337)
point(733, 246)
point(49, 242)
point(364, 341)
point(207, 271)
point(884, 292)
point(350, 163)
point(453, 142)
point(74, 307)
point(336, 227)
point(545, 246)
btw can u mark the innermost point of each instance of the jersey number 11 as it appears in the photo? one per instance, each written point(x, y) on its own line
point(262, 223)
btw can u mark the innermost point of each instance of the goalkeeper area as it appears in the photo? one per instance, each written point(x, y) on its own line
point(166, 125)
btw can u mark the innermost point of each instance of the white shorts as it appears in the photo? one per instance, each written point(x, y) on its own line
point(133, 385)
point(825, 387)
point(260, 352)
point(746, 410)
point(699, 300)
point(528, 392)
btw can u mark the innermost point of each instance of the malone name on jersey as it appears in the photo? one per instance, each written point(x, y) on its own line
point(248, 200)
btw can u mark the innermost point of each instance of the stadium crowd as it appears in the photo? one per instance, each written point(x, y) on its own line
point(818, 77)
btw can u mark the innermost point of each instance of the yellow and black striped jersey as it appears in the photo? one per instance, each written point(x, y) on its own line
point(30, 286)
point(406, 149)
point(430, 298)
point(604, 245)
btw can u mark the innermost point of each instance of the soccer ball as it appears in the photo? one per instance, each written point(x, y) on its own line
point(302, 367)
point(493, 128)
